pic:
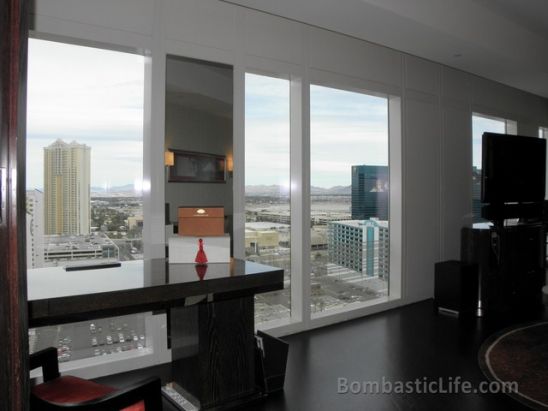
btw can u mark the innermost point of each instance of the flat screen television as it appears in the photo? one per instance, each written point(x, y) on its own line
point(513, 169)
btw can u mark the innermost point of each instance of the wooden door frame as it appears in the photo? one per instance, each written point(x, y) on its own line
point(14, 373)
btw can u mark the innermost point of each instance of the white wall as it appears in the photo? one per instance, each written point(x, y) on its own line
point(437, 102)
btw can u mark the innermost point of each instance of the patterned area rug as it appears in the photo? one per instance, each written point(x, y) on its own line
point(519, 354)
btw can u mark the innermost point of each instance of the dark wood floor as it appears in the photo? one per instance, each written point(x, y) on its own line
point(400, 345)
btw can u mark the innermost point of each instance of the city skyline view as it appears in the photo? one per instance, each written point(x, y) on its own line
point(117, 99)
point(339, 120)
point(84, 136)
point(349, 227)
point(91, 96)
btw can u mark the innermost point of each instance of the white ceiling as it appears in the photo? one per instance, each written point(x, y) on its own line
point(503, 40)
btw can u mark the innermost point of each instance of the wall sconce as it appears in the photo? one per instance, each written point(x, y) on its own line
point(169, 158)
point(229, 164)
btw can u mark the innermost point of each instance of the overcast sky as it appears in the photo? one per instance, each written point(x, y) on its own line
point(91, 96)
point(266, 131)
point(347, 129)
point(95, 97)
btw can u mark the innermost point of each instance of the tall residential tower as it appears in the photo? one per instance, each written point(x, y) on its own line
point(67, 188)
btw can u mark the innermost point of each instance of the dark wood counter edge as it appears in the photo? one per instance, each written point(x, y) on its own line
point(113, 303)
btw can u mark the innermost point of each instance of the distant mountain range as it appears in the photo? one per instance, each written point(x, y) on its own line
point(128, 188)
point(276, 190)
point(334, 191)
point(256, 190)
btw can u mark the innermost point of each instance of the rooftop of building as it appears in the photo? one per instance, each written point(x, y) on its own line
point(87, 242)
point(60, 143)
point(372, 222)
point(266, 226)
point(275, 212)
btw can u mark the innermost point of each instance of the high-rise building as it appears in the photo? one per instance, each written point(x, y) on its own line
point(67, 188)
point(370, 192)
point(361, 245)
point(35, 229)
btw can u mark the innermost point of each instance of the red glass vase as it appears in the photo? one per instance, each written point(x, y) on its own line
point(201, 257)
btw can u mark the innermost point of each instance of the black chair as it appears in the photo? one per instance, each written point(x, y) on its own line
point(72, 393)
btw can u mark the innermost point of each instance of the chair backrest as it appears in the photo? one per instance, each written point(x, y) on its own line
point(143, 395)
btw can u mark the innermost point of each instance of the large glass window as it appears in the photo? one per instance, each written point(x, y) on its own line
point(350, 193)
point(84, 182)
point(267, 196)
point(482, 124)
point(84, 154)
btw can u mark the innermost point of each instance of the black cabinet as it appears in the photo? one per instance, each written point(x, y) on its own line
point(511, 264)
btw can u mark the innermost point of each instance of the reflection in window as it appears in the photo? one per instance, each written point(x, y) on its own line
point(267, 196)
point(84, 154)
point(350, 239)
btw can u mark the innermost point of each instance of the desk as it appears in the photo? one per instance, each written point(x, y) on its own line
point(210, 309)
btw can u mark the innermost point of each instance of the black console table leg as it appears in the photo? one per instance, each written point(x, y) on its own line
point(213, 351)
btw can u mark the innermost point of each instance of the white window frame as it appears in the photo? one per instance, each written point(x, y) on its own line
point(148, 167)
point(300, 77)
point(295, 314)
point(298, 292)
point(153, 237)
point(300, 81)
point(395, 295)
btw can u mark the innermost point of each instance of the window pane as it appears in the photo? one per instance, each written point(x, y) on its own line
point(480, 125)
point(84, 154)
point(349, 198)
point(268, 216)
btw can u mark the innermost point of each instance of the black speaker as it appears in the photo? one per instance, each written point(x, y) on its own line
point(456, 287)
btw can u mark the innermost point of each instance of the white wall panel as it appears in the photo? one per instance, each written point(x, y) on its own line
point(55, 29)
point(206, 22)
point(421, 197)
point(528, 129)
point(493, 99)
point(456, 179)
point(273, 37)
point(422, 75)
point(127, 15)
point(455, 85)
point(345, 55)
